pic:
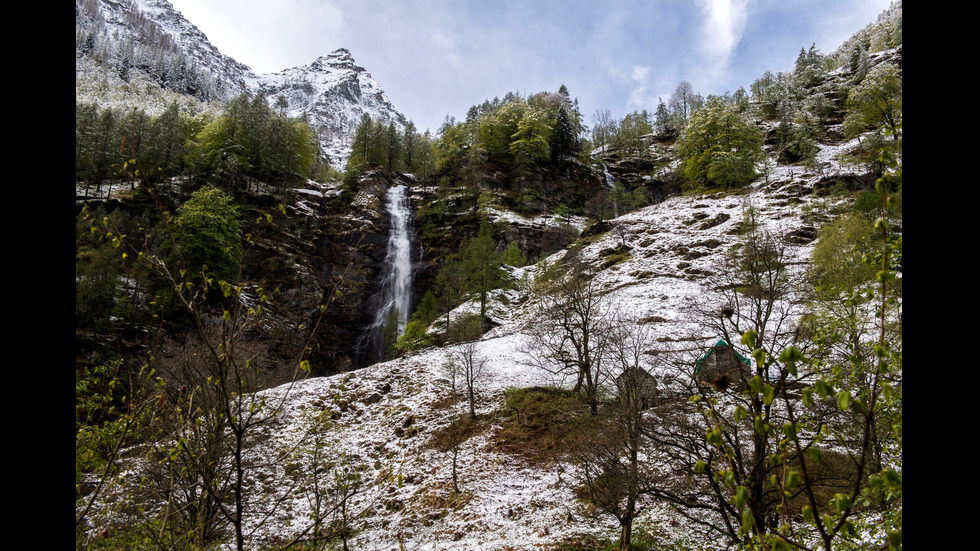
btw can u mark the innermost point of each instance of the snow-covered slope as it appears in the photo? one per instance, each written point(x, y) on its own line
point(382, 421)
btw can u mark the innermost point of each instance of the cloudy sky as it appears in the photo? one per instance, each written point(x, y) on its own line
point(438, 57)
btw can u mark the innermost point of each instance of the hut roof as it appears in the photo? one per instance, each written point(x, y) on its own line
point(720, 344)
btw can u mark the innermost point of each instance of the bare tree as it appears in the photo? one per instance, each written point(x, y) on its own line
point(609, 454)
point(209, 412)
point(683, 102)
point(332, 481)
point(602, 123)
point(570, 334)
point(469, 364)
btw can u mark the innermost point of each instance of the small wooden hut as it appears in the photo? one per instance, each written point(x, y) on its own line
point(720, 365)
point(638, 382)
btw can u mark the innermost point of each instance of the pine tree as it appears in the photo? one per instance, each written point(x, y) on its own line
point(481, 266)
point(562, 137)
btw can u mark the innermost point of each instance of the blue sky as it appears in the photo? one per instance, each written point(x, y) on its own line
point(438, 57)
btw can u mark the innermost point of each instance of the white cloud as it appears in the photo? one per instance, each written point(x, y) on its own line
point(640, 73)
point(722, 28)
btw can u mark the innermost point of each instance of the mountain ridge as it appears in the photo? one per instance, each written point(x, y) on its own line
point(152, 38)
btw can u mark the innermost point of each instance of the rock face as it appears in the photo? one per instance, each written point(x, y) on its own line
point(349, 257)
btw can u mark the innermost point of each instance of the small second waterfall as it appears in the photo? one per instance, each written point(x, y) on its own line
point(395, 294)
point(611, 184)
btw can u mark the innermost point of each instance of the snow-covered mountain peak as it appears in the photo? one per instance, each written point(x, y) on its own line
point(152, 37)
point(333, 92)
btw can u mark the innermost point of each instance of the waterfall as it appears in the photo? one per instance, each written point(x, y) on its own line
point(611, 184)
point(395, 295)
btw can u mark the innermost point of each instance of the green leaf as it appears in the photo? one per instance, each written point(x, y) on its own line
point(741, 496)
point(814, 453)
point(768, 395)
point(789, 429)
point(748, 521)
point(790, 354)
point(714, 437)
point(808, 398)
point(824, 389)
point(894, 541)
point(808, 513)
point(793, 478)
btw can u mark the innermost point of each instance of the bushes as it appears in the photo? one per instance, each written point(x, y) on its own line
point(208, 234)
point(720, 146)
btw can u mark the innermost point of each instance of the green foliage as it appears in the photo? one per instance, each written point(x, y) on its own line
point(208, 234)
point(415, 338)
point(720, 146)
point(252, 140)
point(390, 339)
point(513, 255)
point(379, 144)
point(99, 423)
point(516, 132)
point(530, 141)
point(849, 374)
point(876, 102)
point(98, 267)
point(810, 67)
point(482, 266)
point(838, 257)
point(108, 138)
point(633, 131)
point(772, 94)
point(563, 136)
point(795, 142)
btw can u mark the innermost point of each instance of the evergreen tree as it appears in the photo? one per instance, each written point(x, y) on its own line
point(481, 266)
point(563, 136)
point(361, 144)
point(663, 125)
point(165, 148)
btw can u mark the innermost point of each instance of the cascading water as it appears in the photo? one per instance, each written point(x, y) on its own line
point(611, 184)
point(395, 295)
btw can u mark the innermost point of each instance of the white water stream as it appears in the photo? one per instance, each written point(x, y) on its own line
point(611, 184)
point(396, 276)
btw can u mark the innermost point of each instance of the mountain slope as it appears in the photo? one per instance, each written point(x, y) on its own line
point(385, 422)
point(149, 39)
